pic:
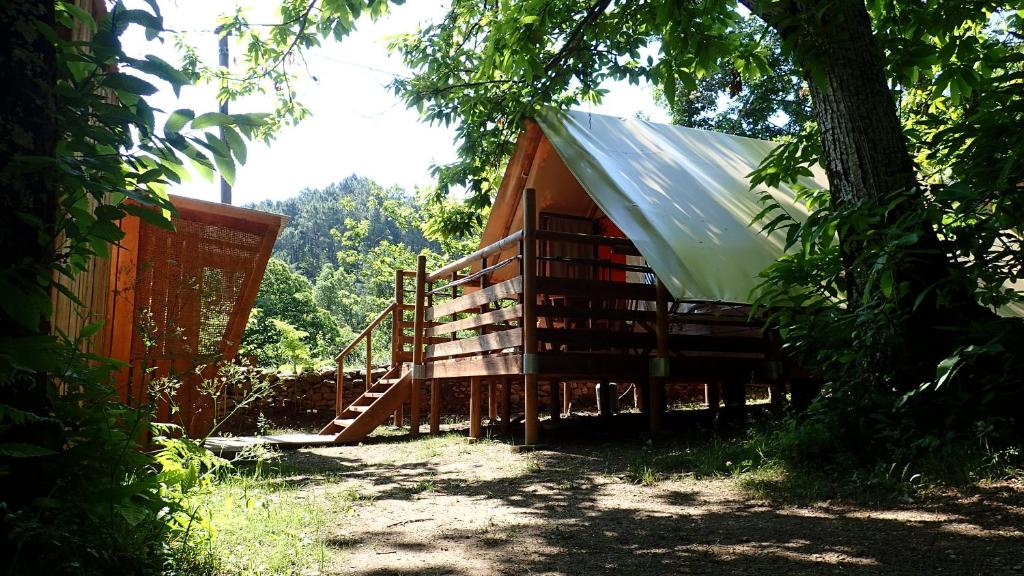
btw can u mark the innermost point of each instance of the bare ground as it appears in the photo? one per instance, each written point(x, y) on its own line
point(447, 506)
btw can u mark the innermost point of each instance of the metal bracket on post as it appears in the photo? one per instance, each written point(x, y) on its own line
point(658, 367)
point(419, 372)
point(531, 364)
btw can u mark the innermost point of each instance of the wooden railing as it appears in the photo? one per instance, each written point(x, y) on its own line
point(395, 312)
point(498, 310)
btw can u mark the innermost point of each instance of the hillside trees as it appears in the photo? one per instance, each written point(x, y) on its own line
point(334, 264)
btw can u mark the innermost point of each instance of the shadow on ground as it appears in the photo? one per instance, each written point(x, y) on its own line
point(582, 517)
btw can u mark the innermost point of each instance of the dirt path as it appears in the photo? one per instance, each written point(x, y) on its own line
point(445, 506)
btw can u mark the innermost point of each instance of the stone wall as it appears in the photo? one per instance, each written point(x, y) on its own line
point(307, 402)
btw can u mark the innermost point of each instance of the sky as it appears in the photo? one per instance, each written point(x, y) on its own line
point(357, 125)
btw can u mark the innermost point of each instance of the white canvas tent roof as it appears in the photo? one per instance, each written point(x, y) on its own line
point(681, 195)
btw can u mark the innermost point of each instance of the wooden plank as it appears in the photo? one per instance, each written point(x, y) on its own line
point(484, 343)
point(596, 289)
point(494, 365)
point(506, 289)
point(485, 319)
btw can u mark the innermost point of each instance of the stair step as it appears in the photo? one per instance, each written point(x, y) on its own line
point(344, 422)
point(359, 408)
point(372, 395)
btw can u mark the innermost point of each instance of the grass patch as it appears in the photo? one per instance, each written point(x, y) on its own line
point(275, 522)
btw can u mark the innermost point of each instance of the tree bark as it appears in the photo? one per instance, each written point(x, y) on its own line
point(28, 206)
point(867, 159)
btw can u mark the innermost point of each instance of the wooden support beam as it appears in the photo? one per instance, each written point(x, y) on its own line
point(657, 387)
point(528, 298)
point(554, 402)
point(712, 396)
point(396, 331)
point(369, 361)
point(435, 406)
point(604, 399)
point(734, 396)
point(492, 400)
point(475, 407)
point(566, 397)
point(506, 405)
point(777, 396)
point(417, 347)
point(339, 378)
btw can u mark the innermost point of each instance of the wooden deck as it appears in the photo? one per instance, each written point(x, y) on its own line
point(529, 309)
point(231, 445)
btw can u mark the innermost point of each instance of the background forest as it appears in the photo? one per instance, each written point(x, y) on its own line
point(332, 269)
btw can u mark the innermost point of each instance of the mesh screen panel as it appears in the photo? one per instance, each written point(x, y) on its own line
point(194, 289)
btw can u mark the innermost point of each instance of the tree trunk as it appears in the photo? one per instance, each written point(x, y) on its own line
point(28, 204)
point(867, 159)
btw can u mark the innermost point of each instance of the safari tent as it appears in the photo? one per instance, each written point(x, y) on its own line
point(616, 249)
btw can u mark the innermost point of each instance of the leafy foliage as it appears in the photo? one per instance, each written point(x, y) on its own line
point(78, 493)
point(351, 237)
point(285, 298)
point(362, 209)
point(765, 107)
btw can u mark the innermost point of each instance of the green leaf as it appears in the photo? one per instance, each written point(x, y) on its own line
point(212, 119)
point(23, 450)
point(236, 144)
point(177, 120)
point(127, 83)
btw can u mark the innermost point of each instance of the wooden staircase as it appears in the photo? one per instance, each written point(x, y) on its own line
point(372, 408)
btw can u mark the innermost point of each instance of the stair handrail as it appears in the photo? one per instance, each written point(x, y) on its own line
point(367, 335)
point(366, 331)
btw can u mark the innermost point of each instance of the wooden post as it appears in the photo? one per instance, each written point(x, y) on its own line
point(435, 406)
point(369, 360)
point(712, 396)
point(777, 397)
point(554, 402)
point(492, 400)
point(566, 397)
point(604, 396)
point(417, 348)
point(475, 407)
point(339, 378)
point(734, 395)
point(529, 300)
point(506, 405)
point(396, 330)
point(657, 382)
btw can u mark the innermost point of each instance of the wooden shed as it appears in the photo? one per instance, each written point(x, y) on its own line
point(180, 300)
